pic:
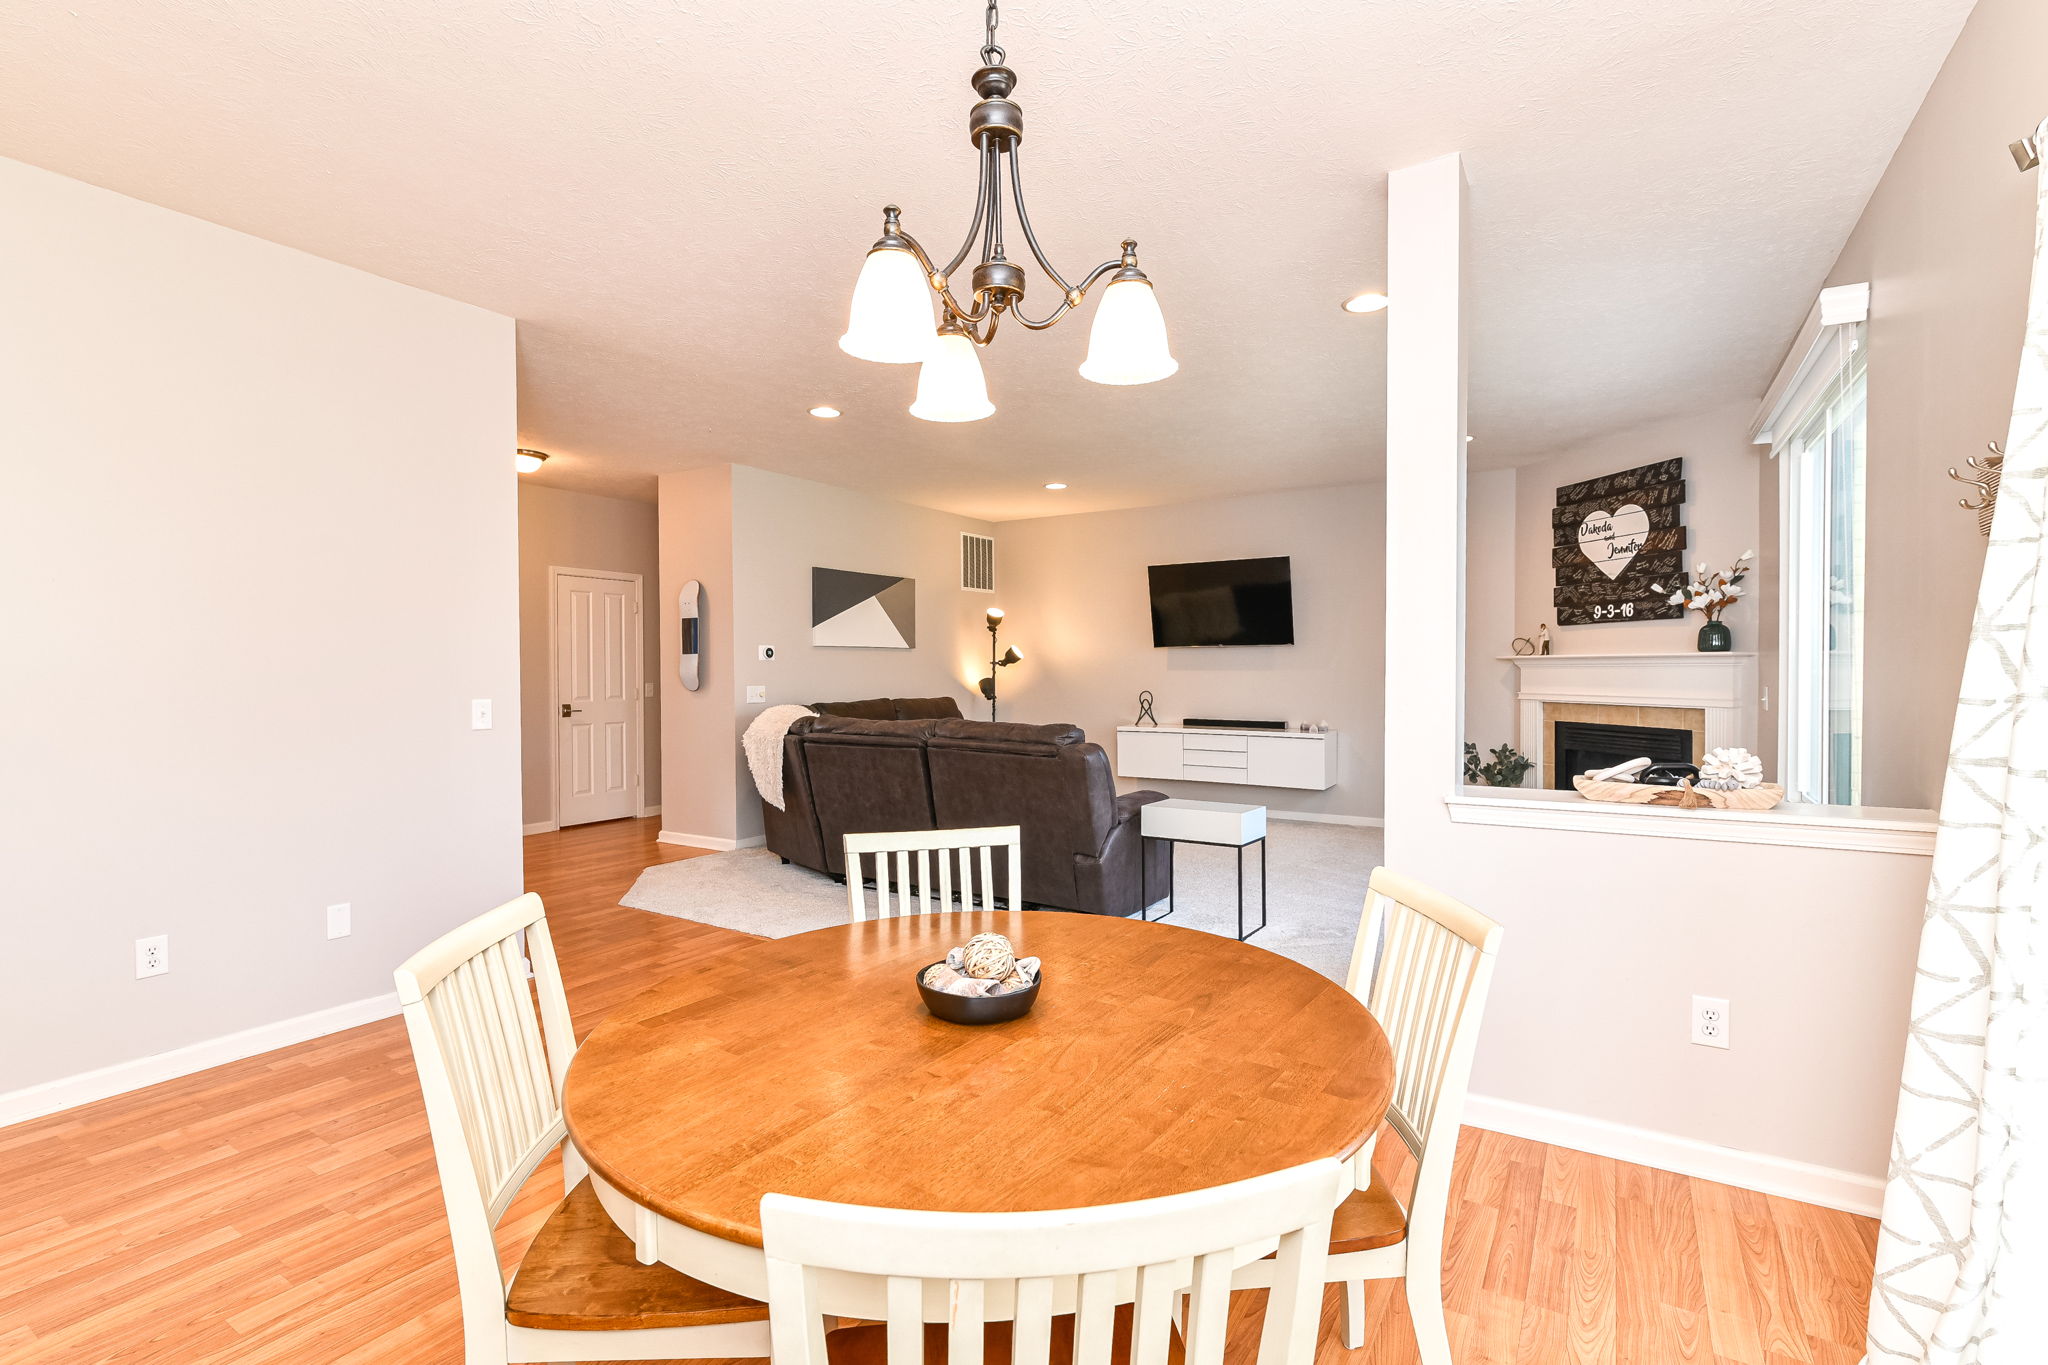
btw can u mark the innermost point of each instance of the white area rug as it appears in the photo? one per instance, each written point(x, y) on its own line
point(1316, 874)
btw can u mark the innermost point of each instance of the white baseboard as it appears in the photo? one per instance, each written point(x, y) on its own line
point(711, 841)
point(68, 1092)
point(1316, 817)
point(543, 827)
point(646, 811)
point(1823, 1185)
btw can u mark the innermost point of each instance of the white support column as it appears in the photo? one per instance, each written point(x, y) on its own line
point(1426, 331)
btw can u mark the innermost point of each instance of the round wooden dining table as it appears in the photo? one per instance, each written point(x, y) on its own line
point(1157, 1060)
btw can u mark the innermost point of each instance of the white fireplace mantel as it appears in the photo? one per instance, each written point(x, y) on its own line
point(1722, 685)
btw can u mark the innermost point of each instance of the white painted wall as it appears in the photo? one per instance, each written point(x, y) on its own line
point(1491, 623)
point(260, 554)
point(1080, 609)
point(563, 529)
point(1608, 936)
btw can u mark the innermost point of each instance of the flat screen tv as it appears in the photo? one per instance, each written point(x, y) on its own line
point(1222, 602)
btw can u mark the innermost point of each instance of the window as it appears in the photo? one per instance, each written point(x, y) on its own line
point(1821, 498)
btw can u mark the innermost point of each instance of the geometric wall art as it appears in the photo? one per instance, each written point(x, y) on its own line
point(1611, 538)
point(863, 610)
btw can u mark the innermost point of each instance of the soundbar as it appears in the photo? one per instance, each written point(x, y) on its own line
point(1206, 724)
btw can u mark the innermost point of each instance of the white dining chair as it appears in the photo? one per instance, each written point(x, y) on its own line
point(1421, 963)
point(918, 887)
point(492, 1051)
point(1045, 1288)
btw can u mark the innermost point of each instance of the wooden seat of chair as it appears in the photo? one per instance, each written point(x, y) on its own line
point(868, 1345)
point(1368, 1218)
point(580, 1275)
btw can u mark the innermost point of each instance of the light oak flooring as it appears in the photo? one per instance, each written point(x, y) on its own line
point(285, 1209)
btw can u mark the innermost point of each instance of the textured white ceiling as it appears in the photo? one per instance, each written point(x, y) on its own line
point(673, 198)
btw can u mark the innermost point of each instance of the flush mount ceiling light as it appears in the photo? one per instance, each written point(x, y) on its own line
point(825, 412)
point(526, 461)
point(891, 318)
point(1365, 303)
point(1055, 487)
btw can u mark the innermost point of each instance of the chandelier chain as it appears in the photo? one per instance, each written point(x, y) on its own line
point(991, 55)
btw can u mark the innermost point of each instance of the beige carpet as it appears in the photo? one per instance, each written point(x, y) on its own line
point(1317, 877)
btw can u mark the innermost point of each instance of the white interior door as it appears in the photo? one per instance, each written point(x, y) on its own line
point(597, 698)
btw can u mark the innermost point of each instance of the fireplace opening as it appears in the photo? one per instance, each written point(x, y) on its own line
point(1580, 747)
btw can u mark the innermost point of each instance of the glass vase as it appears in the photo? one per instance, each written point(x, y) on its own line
point(1716, 638)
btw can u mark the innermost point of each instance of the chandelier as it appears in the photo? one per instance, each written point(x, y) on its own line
point(891, 318)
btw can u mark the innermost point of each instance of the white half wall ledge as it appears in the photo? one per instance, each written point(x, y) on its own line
point(541, 827)
point(710, 841)
point(1316, 817)
point(1862, 829)
point(1849, 1191)
point(68, 1092)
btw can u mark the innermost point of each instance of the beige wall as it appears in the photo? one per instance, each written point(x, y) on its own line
point(261, 544)
point(565, 530)
point(1946, 244)
point(699, 761)
point(1609, 935)
point(1720, 516)
point(1491, 620)
point(1079, 609)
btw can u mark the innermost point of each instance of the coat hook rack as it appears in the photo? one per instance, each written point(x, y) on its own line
point(1984, 478)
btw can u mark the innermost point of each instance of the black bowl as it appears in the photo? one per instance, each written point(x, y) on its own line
point(978, 1009)
point(1668, 774)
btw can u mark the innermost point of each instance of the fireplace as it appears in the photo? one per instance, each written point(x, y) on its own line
point(1580, 746)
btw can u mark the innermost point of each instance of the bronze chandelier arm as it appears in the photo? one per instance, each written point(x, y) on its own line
point(967, 243)
point(944, 291)
point(1024, 222)
point(1071, 299)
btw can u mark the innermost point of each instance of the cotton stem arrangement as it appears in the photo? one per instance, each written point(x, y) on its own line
point(1710, 594)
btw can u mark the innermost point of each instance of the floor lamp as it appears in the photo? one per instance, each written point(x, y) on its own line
point(996, 659)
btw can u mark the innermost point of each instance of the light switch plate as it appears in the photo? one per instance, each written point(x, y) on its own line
point(338, 921)
point(480, 714)
point(756, 692)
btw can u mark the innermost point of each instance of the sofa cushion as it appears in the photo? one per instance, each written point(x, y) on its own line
point(927, 708)
point(1007, 737)
point(874, 708)
point(903, 730)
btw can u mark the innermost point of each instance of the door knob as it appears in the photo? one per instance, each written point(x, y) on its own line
point(568, 710)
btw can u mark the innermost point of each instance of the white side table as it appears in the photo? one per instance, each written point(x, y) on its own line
point(1216, 823)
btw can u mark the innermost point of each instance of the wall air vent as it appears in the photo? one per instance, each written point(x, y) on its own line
point(977, 563)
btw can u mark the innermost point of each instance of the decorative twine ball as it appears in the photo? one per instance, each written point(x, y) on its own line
point(989, 956)
point(1730, 770)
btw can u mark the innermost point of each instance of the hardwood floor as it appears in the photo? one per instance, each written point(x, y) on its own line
point(285, 1209)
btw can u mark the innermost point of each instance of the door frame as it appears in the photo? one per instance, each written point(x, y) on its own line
point(636, 742)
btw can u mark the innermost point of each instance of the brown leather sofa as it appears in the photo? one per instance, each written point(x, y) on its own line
point(913, 763)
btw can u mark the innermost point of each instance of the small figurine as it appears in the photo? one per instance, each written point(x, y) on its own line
point(1543, 638)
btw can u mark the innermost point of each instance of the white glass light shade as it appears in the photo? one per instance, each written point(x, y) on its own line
point(527, 461)
point(891, 318)
point(949, 386)
point(1127, 345)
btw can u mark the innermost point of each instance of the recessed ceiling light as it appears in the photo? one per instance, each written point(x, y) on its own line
point(526, 461)
point(1365, 303)
point(1055, 487)
point(822, 411)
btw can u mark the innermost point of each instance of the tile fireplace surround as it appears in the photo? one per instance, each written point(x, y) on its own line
point(1712, 695)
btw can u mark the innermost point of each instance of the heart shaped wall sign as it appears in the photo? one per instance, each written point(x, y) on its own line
point(1611, 539)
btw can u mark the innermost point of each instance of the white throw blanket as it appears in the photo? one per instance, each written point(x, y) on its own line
point(763, 743)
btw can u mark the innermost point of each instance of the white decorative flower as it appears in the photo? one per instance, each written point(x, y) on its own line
point(1730, 770)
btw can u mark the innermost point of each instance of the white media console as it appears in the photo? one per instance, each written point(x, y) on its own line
point(1248, 758)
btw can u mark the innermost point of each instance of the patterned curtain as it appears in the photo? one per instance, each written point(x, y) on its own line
point(1962, 1258)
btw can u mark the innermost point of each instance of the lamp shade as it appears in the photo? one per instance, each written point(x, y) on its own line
point(950, 387)
point(891, 318)
point(1127, 345)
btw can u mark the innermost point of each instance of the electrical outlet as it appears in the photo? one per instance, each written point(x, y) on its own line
point(152, 956)
point(1709, 1021)
point(338, 921)
point(756, 692)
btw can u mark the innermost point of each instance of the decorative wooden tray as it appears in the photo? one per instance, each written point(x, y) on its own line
point(1686, 797)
